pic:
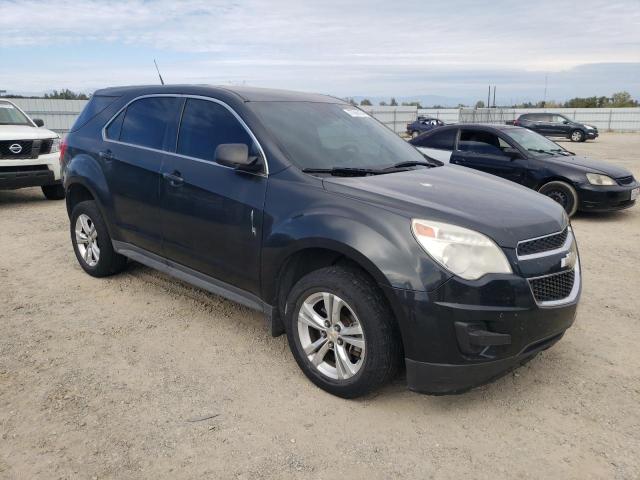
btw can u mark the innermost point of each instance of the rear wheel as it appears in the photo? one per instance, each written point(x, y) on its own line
point(53, 192)
point(341, 332)
point(563, 193)
point(577, 136)
point(91, 242)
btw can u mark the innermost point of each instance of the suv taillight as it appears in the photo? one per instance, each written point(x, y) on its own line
point(63, 150)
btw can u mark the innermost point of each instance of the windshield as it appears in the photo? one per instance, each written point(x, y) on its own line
point(329, 135)
point(535, 143)
point(10, 115)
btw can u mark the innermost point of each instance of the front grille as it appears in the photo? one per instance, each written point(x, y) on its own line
point(26, 149)
point(543, 244)
point(625, 180)
point(553, 287)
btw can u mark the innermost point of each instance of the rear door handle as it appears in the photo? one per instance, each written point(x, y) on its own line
point(106, 155)
point(175, 179)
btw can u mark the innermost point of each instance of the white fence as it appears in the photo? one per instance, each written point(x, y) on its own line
point(59, 115)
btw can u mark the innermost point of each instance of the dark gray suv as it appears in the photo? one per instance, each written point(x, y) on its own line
point(557, 125)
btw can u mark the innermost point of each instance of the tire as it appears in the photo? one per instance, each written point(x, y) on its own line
point(53, 192)
point(563, 193)
point(577, 136)
point(369, 359)
point(87, 224)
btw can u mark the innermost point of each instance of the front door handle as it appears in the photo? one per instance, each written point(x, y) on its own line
point(175, 179)
point(106, 155)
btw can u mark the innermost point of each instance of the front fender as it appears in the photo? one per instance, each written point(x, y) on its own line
point(378, 240)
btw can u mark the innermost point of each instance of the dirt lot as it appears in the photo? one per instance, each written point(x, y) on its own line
point(111, 378)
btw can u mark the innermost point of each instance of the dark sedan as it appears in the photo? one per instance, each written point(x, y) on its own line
point(527, 158)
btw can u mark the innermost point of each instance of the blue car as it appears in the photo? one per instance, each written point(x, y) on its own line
point(423, 124)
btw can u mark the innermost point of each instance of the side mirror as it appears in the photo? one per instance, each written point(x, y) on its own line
point(236, 155)
point(512, 153)
point(39, 122)
point(566, 122)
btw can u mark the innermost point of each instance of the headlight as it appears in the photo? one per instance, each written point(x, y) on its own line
point(463, 252)
point(598, 179)
point(589, 127)
point(55, 145)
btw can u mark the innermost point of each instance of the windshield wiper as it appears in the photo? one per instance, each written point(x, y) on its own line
point(344, 171)
point(537, 150)
point(412, 163)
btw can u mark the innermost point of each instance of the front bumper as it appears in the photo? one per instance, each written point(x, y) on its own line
point(605, 198)
point(30, 172)
point(591, 134)
point(465, 333)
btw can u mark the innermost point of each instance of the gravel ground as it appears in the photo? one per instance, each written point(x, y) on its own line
point(112, 378)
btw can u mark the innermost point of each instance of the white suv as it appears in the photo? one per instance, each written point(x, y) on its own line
point(29, 155)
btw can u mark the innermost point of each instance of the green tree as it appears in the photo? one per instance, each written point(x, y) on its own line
point(479, 104)
point(383, 104)
point(366, 102)
point(66, 94)
point(393, 102)
point(623, 99)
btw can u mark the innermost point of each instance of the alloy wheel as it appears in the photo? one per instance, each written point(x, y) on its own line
point(576, 136)
point(331, 336)
point(87, 240)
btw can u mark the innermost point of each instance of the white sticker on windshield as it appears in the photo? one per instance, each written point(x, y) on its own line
point(6, 105)
point(354, 112)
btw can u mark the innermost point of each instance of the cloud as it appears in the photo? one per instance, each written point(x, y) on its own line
point(336, 46)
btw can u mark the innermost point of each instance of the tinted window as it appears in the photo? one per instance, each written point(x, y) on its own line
point(148, 122)
point(442, 140)
point(205, 125)
point(96, 104)
point(113, 130)
point(483, 143)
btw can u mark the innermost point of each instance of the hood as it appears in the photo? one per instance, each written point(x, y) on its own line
point(589, 165)
point(24, 132)
point(502, 210)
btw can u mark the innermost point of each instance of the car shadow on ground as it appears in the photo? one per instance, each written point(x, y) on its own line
point(9, 198)
point(601, 217)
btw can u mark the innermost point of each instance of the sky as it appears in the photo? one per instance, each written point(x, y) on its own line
point(442, 49)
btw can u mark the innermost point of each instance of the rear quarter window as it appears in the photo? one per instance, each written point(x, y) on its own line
point(97, 104)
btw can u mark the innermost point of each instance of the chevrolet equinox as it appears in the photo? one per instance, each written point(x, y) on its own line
point(364, 252)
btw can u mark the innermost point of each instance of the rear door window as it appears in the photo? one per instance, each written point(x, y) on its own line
point(440, 140)
point(205, 125)
point(479, 142)
point(149, 122)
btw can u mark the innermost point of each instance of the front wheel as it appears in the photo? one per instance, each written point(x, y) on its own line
point(341, 332)
point(577, 136)
point(563, 193)
point(53, 192)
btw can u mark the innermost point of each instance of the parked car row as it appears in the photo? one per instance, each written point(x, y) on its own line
point(522, 156)
point(364, 251)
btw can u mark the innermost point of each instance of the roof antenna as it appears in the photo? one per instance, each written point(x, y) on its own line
point(158, 70)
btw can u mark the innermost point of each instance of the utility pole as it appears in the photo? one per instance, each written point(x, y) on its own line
point(489, 97)
point(544, 98)
point(494, 96)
